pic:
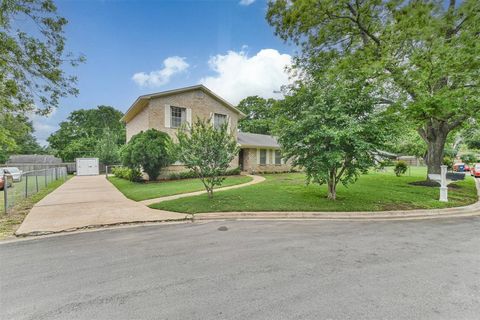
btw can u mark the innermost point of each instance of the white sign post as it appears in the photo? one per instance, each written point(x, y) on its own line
point(443, 184)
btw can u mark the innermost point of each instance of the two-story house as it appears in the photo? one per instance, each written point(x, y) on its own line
point(166, 111)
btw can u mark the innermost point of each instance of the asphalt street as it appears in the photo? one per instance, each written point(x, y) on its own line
point(426, 269)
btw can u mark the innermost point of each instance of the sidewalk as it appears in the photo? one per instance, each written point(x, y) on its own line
point(255, 180)
point(88, 201)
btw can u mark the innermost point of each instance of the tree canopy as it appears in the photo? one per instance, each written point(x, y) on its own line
point(18, 136)
point(79, 135)
point(259, 115)
point(332, 131)
point(32, 57)
point(422, 56)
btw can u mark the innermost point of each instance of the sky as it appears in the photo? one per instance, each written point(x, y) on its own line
point(139, 47)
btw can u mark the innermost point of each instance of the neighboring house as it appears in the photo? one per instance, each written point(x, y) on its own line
point(166, 111)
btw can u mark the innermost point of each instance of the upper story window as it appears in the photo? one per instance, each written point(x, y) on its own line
point(263, 156)
point(178, 116)
point(219, 120)
point(278, 157)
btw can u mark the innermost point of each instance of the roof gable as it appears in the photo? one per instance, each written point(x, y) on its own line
point(142, 101)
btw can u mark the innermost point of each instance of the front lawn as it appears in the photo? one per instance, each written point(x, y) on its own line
point(143, 191)
point(287, 192)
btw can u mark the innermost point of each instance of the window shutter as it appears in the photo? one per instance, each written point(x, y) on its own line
point(229, 125)
point(212, 119)
point(258, 156)
point(189, 116)
point(167, 116)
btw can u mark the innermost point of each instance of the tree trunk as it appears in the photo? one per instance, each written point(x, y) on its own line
point(435, 135)
point(332, 190)
point(332, 185)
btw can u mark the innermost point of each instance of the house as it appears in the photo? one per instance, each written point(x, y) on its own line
point(166, 111)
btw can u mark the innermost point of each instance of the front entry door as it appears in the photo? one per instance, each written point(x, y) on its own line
point(240, 159)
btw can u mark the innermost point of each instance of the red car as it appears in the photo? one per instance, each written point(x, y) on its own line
point(9, 179)
point(475, 170)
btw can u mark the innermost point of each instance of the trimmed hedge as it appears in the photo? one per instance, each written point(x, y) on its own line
point(192, 175)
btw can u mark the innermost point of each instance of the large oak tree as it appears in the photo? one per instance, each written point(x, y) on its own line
point(423, 56)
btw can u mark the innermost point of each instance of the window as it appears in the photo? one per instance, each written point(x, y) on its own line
point(178, 116)
point(219, 120)
point(278, 157)
point(263, 157)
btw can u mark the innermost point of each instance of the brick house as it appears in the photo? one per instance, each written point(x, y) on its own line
point(166, 111)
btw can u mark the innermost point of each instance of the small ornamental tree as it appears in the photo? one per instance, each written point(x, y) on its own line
point(332, 131)
point(107, 149)
point(149, 151)
point(207, 151)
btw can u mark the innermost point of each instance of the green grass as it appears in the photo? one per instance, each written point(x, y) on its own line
point(143, 191)
point(374, 191)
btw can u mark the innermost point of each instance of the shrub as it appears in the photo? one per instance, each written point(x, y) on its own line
point(400, 168)
point(127, 173)
point(151, 151)
point(193, 175)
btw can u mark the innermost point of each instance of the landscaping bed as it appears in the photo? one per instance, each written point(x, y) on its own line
point(375, 191)
point(139, 191)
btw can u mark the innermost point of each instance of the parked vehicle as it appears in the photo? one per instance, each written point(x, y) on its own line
point(459, 167)
point(475, 170)
point(467, 168)
point(8, 177)
point(15, 172)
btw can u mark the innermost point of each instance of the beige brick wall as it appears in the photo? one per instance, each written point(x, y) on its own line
point(202, 105)
point(251, 165)
point(137, 124)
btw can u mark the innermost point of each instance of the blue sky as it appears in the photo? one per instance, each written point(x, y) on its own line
point(138, 47)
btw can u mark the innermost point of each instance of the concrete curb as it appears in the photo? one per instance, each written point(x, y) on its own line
point(187, 218)
point(255, 180)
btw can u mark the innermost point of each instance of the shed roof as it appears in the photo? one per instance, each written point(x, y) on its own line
point(246, 139)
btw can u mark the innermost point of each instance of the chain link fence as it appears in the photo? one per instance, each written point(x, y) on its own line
point(27, 184)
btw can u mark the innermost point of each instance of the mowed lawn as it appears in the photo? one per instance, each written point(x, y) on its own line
point(150, 190)
point(287, 192)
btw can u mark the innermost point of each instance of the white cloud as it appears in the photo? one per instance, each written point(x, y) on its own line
point(246, 2)
point(42, 129)
point(239, 76)
point(171, 66)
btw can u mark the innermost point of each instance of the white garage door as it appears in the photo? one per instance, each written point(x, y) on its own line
point(87, 167)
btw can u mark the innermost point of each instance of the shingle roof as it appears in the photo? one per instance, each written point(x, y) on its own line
point(246, 139)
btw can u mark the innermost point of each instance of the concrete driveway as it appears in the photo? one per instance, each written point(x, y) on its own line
point(87, 201)
point(425, 269)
